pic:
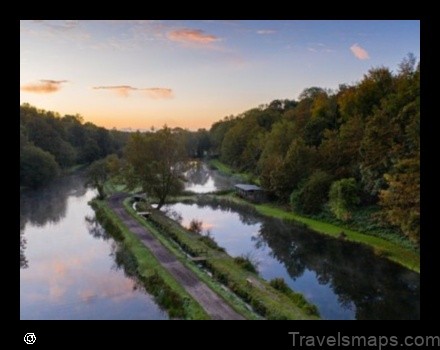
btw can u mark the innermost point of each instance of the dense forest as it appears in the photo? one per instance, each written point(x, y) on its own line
point(336, 151)
point(50, 144)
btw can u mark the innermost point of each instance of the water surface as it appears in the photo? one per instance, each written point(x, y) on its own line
point(344, 280)
point(68, 262)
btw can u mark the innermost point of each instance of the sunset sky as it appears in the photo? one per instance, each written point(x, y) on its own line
point(138, 74)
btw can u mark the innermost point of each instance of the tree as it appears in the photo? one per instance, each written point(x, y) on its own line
point(401, 200)
point(37, 167)
point(313, 194)
point(156, 163)
point(343, 196)
point(97, 175)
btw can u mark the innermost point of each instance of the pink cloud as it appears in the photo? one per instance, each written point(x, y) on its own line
point(44, 86)
point(121, 90)
point(124, 90)
point(158, 93)
point(187, 35)
point(359, 52)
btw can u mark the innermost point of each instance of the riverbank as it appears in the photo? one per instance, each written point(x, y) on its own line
point(169, 294)
point(227, 274)
point(391, 250)
point(245, 292)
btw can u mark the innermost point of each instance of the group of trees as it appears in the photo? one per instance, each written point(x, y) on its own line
point(357, 146)
point(153, 162)
point(50, 143)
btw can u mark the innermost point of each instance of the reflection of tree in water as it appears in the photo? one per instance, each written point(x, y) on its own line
point(379, 288)
point(198, 174)
point(95, 228)
point(49, 204)
point(125, 261)
point(23, 261)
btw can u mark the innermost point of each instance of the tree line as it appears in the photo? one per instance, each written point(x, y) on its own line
point(50, 144)
point(336, 150)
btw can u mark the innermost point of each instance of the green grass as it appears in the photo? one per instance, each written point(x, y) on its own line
point(395, 252)
point(148, 266)
point(236, 303)
point(254, 290)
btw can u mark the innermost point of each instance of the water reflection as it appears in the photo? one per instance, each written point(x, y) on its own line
point(71, 273)
point(55, 199)
point(200, 179)
point(345, 280)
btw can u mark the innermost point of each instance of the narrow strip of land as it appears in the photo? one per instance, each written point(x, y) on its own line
point(214, 305)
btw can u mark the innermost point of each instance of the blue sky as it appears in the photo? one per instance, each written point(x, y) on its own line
point(138, 74)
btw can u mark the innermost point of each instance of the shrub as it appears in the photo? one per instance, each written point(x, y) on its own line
point(343, 197)
point(195, 226)
point(247, 262)
point(312, 194)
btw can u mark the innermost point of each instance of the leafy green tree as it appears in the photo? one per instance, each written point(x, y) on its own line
point(37, 167)
point(156, 163)
point(343, 197)
point(97, 175)
point(310, 197)
point(401, 199)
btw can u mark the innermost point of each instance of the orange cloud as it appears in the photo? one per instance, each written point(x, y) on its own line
point(187, 35)
point(359, 52)
point(158, 93)
point(121, 90)
point(44, 86)
point(124, 90)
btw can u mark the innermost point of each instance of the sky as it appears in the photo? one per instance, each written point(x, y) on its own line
point(142, 74)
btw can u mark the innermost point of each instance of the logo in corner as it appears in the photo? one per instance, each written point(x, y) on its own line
point(30, 338)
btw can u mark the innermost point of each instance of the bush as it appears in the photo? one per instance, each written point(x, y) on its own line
point(279, 284)
point(343, 197)
point(195, 226)
point(247, 262)
point(312, 194)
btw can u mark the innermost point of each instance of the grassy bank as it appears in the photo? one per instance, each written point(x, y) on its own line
point(401, 255)
point(265, 300)
point(155, 278)
point(393, 250)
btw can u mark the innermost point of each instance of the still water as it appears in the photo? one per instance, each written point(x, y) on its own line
point(344, 280)
point(68, 267)
point(201, 179)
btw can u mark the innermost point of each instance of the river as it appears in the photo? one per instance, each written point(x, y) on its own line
point(68, 264)
point(344, 280)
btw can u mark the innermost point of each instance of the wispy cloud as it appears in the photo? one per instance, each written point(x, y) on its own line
point(44, 86)
point(121, 90)
point(266, 31)
point(158, 93)
point(192, 36)
point(124, 91)
point(359, 52)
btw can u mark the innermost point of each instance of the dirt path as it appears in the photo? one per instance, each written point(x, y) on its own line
point(215, 306)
